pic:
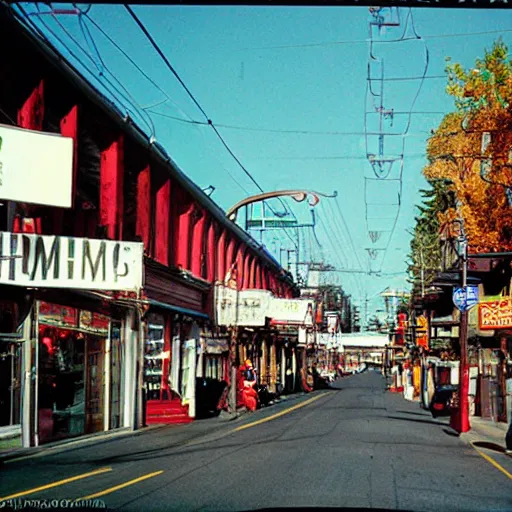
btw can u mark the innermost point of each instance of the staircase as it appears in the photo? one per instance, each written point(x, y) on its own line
point(167, 412)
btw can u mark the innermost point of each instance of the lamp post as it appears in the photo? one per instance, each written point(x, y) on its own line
point(459, 420)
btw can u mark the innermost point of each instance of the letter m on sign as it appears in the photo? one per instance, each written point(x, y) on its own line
point(100, 260)
point(46, 262)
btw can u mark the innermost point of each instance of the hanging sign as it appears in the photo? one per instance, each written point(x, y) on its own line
point(465, 298)
point(495, 315)
point(41, 261)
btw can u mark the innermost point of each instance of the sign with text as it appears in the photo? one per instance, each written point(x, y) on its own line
point(495, 315)
point(465, 298)
point(35, 167)
point(292, 311)
point(41, 261)
point(242, 308)
point(253, 307)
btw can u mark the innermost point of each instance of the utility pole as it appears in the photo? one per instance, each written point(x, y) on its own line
point(460, 420)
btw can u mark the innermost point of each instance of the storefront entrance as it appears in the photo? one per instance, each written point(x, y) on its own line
point(72, 372)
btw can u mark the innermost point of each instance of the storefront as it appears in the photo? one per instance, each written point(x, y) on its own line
point(79, 373)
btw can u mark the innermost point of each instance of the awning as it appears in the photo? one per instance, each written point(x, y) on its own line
point(177, 309)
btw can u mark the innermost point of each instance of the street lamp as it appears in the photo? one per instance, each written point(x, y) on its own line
point(459, 421)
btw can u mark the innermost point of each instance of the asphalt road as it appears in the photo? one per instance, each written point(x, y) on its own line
point(355, 446)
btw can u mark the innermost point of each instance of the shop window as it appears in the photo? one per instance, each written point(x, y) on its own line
point(61, 399)
point(154, 356)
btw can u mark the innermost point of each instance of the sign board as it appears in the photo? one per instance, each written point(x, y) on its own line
point(465, 298)
point(40, 261)
point(243, 308)
point(253, 307)
point(292, 311)
point(495, 315)
point(35, 167)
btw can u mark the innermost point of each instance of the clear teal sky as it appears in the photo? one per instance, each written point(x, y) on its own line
point(252, 67)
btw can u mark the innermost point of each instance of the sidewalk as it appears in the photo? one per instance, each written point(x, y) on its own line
point(179, 433)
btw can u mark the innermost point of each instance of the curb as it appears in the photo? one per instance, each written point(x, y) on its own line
point(104, 437)
point(57, 446)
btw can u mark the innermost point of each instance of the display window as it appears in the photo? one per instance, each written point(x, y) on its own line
point(71, 372)
point(154, 356)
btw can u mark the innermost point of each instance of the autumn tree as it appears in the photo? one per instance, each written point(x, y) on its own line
point(471, 150)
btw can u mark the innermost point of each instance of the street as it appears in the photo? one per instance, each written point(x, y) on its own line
point(352, 446)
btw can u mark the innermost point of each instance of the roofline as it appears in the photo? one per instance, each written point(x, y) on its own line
point(62, 65)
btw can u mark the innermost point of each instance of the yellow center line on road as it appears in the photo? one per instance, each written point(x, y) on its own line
point(56, 484)
point(120, 486)
point(492, 461)
point(278, 414)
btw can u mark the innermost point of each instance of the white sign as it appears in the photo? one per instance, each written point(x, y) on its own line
point(292, 311)
point(253, 307)
point(62, 262)
point(35, 167)
point(251, 310)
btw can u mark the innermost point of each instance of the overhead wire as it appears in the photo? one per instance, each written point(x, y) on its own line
point(156, 85)
point(118, 92)
point(171, 68)
point(365, 41)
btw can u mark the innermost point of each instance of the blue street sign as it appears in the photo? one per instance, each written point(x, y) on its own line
point(465, 298)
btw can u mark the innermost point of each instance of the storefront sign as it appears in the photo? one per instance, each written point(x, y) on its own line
point(252, 307)
point(292, 311)
point(215, 345)
point(242, 308)
point(94, 323)
point(62, 262)
point(57, 315)
point(495, 315)
point(35, 167)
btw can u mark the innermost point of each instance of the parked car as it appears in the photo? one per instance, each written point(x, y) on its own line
point(443, 399)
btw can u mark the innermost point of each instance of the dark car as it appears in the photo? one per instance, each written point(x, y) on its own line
point(442, 401)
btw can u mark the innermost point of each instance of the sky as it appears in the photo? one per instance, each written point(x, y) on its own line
point(262, 74)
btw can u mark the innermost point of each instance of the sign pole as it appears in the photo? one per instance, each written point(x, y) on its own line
point(461, 420)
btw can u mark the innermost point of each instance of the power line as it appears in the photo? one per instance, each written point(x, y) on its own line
point(406, 78)
point(196, 102)
point(364, 41)
point(299, 132)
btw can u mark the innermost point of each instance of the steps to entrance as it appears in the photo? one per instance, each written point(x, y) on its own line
point(167, 412)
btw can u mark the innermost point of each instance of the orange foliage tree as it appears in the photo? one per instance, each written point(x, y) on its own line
point(472, 149)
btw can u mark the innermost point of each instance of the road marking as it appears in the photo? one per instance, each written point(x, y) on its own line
point(120, 486)
point(56, 484)
point(492, 461)
point(277, 415)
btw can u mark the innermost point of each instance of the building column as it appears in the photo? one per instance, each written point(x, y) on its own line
point(197, 254)
point(183, 236)
point(220, 272)
point(211, 253)
point(111, 189)
point(258, 276)
point(252, 275)
point(68, 128)
point(162, 222)
point(27, 403)
point(130, 363)
point(143, 222)
point(246, 273)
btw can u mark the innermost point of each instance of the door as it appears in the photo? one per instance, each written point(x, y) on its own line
point(95, 384)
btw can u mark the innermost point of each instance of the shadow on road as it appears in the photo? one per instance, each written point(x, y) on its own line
point(489, 446)
point(428, 422)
